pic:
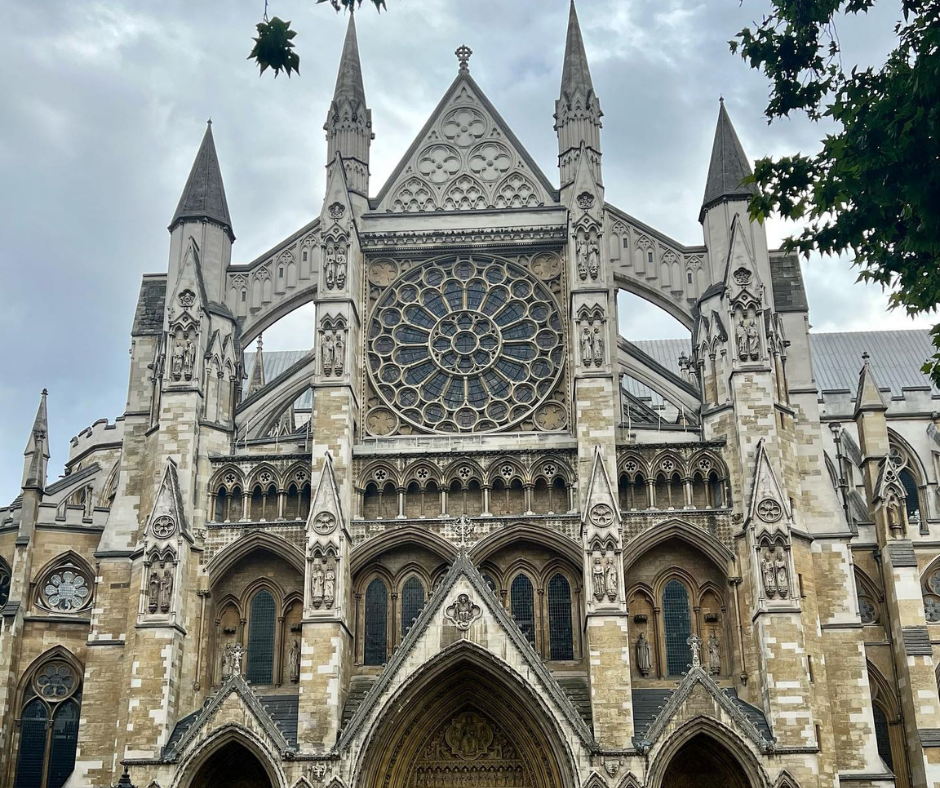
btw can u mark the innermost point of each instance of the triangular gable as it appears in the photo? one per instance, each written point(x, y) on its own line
point(190, 275)
point(245, 697)
point(741, 277)
point(413, 652)
point(465, 158)
point(768, 507)
point(723, 706)
point(326, 499)
point(168, 504)
point(337, 210)
point(888, 482)
point(600, 493)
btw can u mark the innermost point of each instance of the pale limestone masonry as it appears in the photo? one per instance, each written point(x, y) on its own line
point(450, 544)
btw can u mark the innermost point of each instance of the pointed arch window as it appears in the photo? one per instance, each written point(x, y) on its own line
point(376, 623)
point(912, 500)
point(261, 631)
point(559, 618)
point(412, 602)
point(883, 736)
point(49, 727)
point(677, 626)
point(4, 584)
point(522, 602)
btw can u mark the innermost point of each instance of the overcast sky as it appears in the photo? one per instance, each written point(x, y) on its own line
point(105, 104)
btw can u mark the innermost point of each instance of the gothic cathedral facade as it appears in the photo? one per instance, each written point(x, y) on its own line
point(502, 547)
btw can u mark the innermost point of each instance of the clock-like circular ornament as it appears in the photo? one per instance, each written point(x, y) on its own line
point(465, 344)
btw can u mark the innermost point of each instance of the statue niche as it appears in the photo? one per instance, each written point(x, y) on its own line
point(183, 353)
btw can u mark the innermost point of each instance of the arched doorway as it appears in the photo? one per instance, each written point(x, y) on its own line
point(461, 723)
point(704, 763)
point(231, 766)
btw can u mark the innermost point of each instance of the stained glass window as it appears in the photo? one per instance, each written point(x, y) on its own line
point(559, 618)
point(376, 624)
point(882, 736)
point(64, 741)
point(867, 609)
point(261, 639)
point(32, 756)
point(523, 606)
point(912, 501)
point(677, 624)
point(4, 585)
point(65, 590)
point(412, 601)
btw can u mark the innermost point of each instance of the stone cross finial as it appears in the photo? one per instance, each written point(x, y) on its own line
point(463, 53)
point(695, 644)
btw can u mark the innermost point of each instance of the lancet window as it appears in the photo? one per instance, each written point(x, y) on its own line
point(376, 624)
point(559, 618)
point(522, 604)
point(677, 627)
point(412, 602)
point(259, 668)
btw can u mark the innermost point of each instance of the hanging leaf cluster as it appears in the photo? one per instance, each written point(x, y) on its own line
point(274, 47)
point(349, 5)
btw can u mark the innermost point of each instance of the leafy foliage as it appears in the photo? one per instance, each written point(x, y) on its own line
point(274, 45)
point(874, 188)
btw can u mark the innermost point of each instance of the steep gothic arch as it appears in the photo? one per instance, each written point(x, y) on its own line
point(720, 555)
point(230, 752)
point(464, 717)
point(227, 558)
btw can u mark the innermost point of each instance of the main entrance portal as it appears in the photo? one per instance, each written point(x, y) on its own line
point(231, 766)
point(704, 763)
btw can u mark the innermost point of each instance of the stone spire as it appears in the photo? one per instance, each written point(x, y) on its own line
point(36, 456)
point(204, 195)
point(728, 168)
point(868, 396)
point(349, 122)
point(257, 371)
point(577, 111)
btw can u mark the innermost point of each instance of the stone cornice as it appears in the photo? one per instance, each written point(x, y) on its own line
point(473, 238)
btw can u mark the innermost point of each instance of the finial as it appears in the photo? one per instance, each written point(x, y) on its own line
point(721, 99)
point(865, 357)
point(209, 122)
point(695, 644)
point(259, 341)
point(463, 53)
point(45, 392)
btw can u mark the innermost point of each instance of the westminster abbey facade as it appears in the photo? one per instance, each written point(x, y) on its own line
point(474, 538)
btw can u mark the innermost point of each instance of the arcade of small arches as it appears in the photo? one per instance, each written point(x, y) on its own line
point(266, 495)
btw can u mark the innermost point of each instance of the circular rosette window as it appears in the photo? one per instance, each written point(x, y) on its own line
point(465, 345)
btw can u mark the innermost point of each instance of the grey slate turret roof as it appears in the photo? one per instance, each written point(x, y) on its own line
point(728, 167)
point(575, 74)
point(349, 85)
point(204, 195)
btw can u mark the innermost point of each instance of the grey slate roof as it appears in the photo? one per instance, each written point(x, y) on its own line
point(148, 317)
point(648, 703)
point(276, 363)
point(575, 72)
point(728, 167)
point(204, 195)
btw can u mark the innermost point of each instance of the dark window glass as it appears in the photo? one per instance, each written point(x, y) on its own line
point(559, 618)
point(32, 745)
point(883, 737)
point(261, 639)
point(412, 600)
point(678, 626)
point(376, 623)
point(64, 741)
point(4, 585)
point(910, 490)
point(523, 606)
point(221, 504)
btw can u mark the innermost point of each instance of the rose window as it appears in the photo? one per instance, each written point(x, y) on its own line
point(465, 345)
point(55, 681)
point(65, 590)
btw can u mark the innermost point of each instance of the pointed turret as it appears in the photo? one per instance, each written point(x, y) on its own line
point(257, 371)
point(36, 456)
point(728, 168)
point(577, 111)
point(204, 195)
point(349, 122)
point(868, 396)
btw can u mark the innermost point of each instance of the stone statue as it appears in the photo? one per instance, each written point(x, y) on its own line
point(587, 346)
point(594, 261)
point(714, 654)
point(235, 654)
point(893, 508)
point(597, 578)
point(166, 591)
point(340, 266)
point(463, 612)
point(154, 595)
point(582, 249)
point(695, 646)
point(329, 266)
point(318, 581)
point(293, 661)
point(329, 351)
point(769, 576)
point(644, 654)
point(329, 587)
point(189, 359)
point(753, 340)
point(611, 583)
point(226, 663)
point(742, 340)
point(783, 575)
point(598, 347)
point(339, 353)
point(176, 363)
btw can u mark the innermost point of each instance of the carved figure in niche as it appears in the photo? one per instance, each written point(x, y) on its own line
point(154, 595)
point(753, 340)
point(594, 259)
point(598, 347)
point(597, 578)
point(329, 266)
point(189, 359)
point(339, 354)
point(463, 612)
point(714, 654)
point(226, 663)
point(611, 583)
point(644, 654)
point(742, 339)
point(340, 258)
point(582, 257)
point(329, 353)
point(176, 362)
point(329, 587)
point(893, 508)
point(782, 574)
point(587, 346)
point(769, 576)
point(166, 591)
point(293, 661)
point(234, 652)
point(319, 579)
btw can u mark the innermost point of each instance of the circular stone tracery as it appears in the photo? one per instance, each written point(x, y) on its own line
point(465, 345)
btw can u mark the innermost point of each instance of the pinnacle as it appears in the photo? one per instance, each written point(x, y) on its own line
point(349, 77)
point(729, 165)
point(204, 195)
point(576, 74)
